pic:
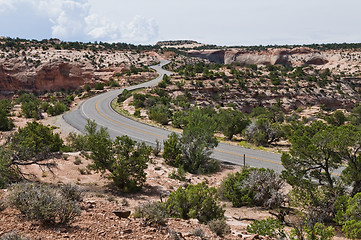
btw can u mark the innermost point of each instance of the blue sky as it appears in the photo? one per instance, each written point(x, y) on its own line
point(226, 22)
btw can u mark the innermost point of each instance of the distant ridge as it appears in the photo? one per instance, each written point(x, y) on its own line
point(175, 42)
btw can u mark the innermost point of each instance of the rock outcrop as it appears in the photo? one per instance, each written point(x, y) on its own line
point(37, 69)
point(296, 56)
point(54, 76)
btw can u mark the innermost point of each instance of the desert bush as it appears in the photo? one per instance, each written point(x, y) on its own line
point(172, 152)
point(159, 113)
point(219, 227)
point(49, 205)
point(6, 123)
point(58, 108)
point(231, 122)
point(252, 186)
point(98, 86)
point(13, 236)
point(71, 192)
point(124, 95)
point(137, 113)
point(35, 141)
point(196, 201)
point(157, 149)
point(154, 213)
point(138, 100)
point(8, 173)
point(198, 141)
point(310, 232)
point(30, 106)
point(199, 232)
point(77, 142)
point(128, 167)
point(267, 227)
point(337, 118)
point(349, 215)
point(262, 132)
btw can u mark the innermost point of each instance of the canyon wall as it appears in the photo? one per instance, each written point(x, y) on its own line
point(296, 56)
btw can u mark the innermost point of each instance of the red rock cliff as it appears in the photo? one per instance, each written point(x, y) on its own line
point(51, 76)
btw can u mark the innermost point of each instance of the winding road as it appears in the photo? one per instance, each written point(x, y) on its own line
point(99, 108)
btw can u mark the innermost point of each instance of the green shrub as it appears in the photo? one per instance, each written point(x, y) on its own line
point(219, 227)
point(262, 132)
point(30, 106)
point(317, 231)
point(6, 124)
point(128, 167)
point(172, 152)
point(137, 113)
point(157, 149)
point(57, 109)
point(267, 227)
point(159, 113)
point(124, 95)
point(87, 88)
point(252, 186)
point(8, 172)
point(35, 141)
point(49, 205)
point(154, 213)
point(196, 201)
point(98, 86)
point(138, 100)
point(77, 142)
point(349, 215)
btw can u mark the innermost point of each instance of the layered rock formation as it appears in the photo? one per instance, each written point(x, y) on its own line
point(296, 56)
point(53, 76)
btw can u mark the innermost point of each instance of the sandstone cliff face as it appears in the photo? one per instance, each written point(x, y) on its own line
point(296, 57)
point(217, 56)
point(53, 76)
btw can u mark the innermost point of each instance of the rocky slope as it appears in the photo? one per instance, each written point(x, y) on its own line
point(294, 57)
point(34, 68)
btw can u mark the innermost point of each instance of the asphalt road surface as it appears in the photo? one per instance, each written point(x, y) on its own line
point(98, 108)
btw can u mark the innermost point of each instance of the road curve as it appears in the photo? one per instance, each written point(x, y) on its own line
point(98, 108)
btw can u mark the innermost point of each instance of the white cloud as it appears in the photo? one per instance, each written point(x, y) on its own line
point(101, 28)
point(6, 5)
point(141, 30)
point(74, 20)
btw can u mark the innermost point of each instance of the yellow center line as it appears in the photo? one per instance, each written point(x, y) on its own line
point(122, 124)
point(156, 135)
point(153, 134)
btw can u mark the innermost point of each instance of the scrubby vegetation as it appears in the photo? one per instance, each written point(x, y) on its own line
point(205, 100)
point(6, 123)
point(124, 158)
point(154, 213)
point(193, 149)
point(252, 186)
point(196, 201)
point(29, 145)
point(49, 205)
